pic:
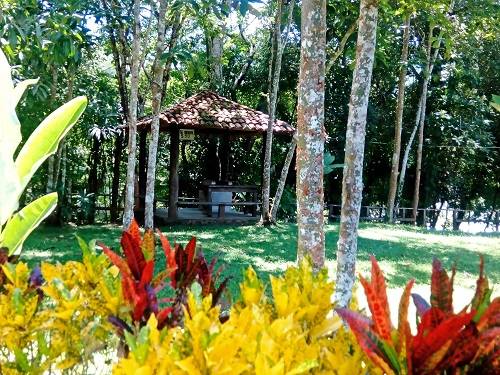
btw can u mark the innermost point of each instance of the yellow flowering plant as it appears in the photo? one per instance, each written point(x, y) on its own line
point(291, 332)
point(56, 317)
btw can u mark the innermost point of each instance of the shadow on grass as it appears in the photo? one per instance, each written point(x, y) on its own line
point(403, 252)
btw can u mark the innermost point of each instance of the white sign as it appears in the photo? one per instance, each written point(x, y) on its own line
point(186, 134)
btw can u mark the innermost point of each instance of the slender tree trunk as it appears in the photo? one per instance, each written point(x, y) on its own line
point(53, 92)
point(156, 91)
point(430, 66)
point(333, 55)
point(128, 213)
point(310, 133)
point(174, 35)
point(404, 162)
point(282, 180)
point(393, 181)
point(420, 117)
point(118, 144)
point(215, 49)
point(352, 183)
point(115, 184)
point(278, 45)
point(93, 179)
point(427, 78)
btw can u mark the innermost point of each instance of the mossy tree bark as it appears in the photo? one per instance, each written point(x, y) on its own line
point(128, 212)
point(156, 91)
point(352, 182)
point(310, 133)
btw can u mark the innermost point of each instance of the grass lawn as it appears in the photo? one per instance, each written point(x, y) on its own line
point(404, 252)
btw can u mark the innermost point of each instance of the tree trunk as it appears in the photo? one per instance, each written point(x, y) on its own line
point(128, 213)
point(120, 64)
point(352, 182)
point(393, 181)
point(215, 45)
point(278, 45)
point(310, 133)
point(156, 91)
point(174, 35)
point(404, 163)
point(53, 92)
point(92, 182)
point(115, 185)
point(420, 117)
point(173, 193)
point(282, 181)
point(427, 78)
point(333, 55)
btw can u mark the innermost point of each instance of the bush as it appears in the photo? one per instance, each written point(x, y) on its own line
point(58, 316)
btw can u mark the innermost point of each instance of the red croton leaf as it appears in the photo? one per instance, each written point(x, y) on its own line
point(133, 254)
point(491, 317)
point(190, 250)
point(404, 335)
point(463, 350)
point(117, 260)
point(481, 286)
point(369, 341)
point(148, 244)
point(442, 287)
point(134, 232)
point(147, 274)
point(381, 321)
point(434, 331)
point(170, 257)
point(378, 285)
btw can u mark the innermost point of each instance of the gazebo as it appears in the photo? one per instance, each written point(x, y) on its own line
point(204, 114)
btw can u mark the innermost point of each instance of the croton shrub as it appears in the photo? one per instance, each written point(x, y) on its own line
point(119, 307)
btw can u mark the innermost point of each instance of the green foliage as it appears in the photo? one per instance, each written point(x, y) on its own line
point(17, 173)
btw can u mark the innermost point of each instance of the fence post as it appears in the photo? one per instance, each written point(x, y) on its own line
point(425, 218)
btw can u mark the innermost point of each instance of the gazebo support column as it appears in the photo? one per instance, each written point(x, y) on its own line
point(224, 156)
point(174, 174)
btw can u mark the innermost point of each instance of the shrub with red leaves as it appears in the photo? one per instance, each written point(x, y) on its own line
point(446, 342)
point(140, 288)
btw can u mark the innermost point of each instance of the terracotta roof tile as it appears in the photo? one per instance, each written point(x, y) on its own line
point(208, 110)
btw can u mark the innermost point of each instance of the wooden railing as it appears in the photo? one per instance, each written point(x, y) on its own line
point(424, 215)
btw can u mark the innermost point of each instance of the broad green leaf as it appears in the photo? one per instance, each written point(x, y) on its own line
point(46, 137)
point(22, 361)
point(10, 137)
point(25, 221)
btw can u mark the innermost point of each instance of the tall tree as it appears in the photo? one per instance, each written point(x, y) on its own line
point(128, 213)
point(393, 181)
point(310, 132)
point(156, 92)
point(277, 47)
point(352, 182)
point(431, 57)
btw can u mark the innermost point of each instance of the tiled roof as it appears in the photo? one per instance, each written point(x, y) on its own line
point(210, 111)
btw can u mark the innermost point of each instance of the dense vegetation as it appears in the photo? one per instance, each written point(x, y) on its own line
point(151, 306)
point(72, 47)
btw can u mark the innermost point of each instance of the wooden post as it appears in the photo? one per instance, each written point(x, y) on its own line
point(174, 174)
point(222, 211)
point(143, 163)
point(425, 217)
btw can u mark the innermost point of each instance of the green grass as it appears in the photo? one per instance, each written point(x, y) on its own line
point(403, 252)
